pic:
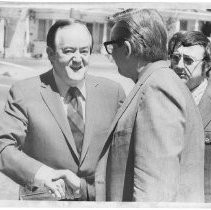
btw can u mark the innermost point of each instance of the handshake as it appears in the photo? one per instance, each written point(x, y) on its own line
point(61, 184)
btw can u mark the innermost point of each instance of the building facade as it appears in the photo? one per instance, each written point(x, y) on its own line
point(23, 30)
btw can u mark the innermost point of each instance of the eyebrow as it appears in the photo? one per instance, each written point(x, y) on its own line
point(81, 48)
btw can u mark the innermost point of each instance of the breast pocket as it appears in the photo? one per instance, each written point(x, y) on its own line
point(122, 137)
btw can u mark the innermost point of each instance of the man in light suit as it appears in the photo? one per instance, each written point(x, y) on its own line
point(40, 141)
point(155, 148)
point(191, 60)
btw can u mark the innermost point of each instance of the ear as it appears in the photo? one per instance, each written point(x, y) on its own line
point(50, 53)
point(128, 49)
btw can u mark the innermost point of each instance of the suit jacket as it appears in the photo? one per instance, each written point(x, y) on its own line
point(34, 130)
point(156, 144)
point(205, 109)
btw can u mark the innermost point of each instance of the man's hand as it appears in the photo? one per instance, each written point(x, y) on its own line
point(45, 177)
point(72, 181)
point(56, 188)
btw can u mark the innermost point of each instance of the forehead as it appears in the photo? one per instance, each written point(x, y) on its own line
point(195, 51)
point(75, 35)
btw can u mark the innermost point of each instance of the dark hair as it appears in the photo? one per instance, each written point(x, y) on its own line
point(175, 42)
point(146, 32)
point(191, 38)
point(61, 24)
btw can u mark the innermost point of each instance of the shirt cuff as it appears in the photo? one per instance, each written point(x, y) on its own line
point(42, 174)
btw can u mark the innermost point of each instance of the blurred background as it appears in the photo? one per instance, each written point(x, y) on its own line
point(24, 26)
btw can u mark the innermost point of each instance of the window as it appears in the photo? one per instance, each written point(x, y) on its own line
point(90, 27)
point(183, 25)
point(41, 30)
point(101, 33)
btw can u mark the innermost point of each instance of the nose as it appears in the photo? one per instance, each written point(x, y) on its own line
point(179, 70)
point(181, 63)
point(77, 57)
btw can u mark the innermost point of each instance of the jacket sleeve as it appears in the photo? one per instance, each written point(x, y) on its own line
point(158, 143)
point(13, 128)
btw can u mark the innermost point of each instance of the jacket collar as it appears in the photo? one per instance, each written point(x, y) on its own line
point(144, 74)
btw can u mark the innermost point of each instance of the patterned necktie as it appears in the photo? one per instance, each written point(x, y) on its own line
point(75, 117)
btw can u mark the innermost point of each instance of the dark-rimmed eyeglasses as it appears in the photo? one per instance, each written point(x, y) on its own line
point(175, 58)
point(109, 45)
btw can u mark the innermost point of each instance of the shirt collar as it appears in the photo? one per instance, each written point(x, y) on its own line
point(63, 87)
point(198, 92)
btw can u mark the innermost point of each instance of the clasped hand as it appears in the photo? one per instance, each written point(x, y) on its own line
point(63, 184)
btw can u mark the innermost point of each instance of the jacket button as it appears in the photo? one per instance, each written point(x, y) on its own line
point(207, 141)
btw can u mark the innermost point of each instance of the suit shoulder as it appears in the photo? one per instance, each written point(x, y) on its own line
point(167, 78)
point(166, 81)
point(27, 84)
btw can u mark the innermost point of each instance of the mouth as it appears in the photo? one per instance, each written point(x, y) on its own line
point(183, 76)
point(75, 68)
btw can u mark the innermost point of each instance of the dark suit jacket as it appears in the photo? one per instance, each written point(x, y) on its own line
point(205, 109)
point(34, 130)
point(156, 142)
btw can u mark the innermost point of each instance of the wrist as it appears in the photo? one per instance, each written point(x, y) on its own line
point(77, 192)
point(43, 174)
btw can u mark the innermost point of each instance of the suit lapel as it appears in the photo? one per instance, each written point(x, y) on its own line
point(205, 105)
point(91, 107)
point(51, 97)
point(144, 75)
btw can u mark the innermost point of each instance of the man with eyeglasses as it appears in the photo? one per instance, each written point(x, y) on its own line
point(156, 144)
point(191, 60)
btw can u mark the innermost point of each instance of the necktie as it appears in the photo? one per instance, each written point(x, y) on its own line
point(75, 117)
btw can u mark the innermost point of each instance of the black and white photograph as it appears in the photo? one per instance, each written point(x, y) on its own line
point(105, 104)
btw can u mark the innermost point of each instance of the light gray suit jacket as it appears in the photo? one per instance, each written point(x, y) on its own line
point(156, 144)
point(34, 130)
point(205, 110)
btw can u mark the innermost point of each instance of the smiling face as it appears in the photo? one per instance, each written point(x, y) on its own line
point(71, 55)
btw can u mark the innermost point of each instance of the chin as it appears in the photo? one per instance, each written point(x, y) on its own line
point(78, 75)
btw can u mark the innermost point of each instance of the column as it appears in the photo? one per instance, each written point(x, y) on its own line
point(177, 25)
point(196, 26)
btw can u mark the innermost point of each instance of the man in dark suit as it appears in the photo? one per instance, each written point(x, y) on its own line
point(191, 60)
point(155, 148)
point(54, 125)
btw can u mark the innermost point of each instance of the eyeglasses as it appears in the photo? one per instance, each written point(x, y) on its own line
point(175, 58)
point(109, 45)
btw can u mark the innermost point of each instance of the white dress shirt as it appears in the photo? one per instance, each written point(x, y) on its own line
point(198, 92)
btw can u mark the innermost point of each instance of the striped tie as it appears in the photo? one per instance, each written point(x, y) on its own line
point(75, 117)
